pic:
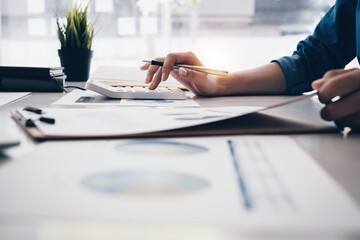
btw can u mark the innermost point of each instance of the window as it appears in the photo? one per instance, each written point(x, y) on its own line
point(231, 34)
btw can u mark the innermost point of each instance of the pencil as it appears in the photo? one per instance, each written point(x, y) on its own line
point(195, 68)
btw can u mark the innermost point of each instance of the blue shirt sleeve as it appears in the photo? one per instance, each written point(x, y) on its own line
point(331, 46)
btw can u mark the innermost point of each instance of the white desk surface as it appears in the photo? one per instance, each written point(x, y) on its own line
point(338, 156)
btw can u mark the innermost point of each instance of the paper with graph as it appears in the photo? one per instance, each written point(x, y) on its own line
point(249, 182)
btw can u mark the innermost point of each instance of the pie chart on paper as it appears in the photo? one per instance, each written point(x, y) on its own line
point(144, 183)
point(160, 148)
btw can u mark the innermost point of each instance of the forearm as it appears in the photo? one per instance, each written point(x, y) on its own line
point(268, 79)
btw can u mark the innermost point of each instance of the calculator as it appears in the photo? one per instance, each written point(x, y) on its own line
point(117, 90)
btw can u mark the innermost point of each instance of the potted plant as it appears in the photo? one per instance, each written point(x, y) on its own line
point(75, 35)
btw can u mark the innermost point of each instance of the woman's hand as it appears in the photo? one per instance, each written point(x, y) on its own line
point(345, 84)
point(199, 83)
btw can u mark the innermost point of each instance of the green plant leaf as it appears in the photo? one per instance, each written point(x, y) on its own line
point(77, 31)
point(60, 33)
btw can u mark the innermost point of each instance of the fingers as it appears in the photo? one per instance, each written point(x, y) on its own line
point(145, 66)
point(188, 75)
point(319, 83)
point(152, 69)
point(201, 83)
point(170, 61)
point(156, 74)
point(185, 58)
point(344, 107)
point(338, 83)
point(156, 79)
point(187, 84)
point(173, 58)
point(150, 73)
point(345, 84)
point(336, 72)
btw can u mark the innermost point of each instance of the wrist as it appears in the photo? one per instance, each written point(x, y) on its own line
point(219, 85)
point(232, 84)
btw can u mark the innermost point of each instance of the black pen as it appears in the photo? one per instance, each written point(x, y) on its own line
point(33, 109)
point(28, 121)
point(195, 68)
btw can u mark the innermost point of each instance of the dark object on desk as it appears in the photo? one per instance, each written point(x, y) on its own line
point(76, 63)
point(76, 87)
point(29, 121)
point(31, 79)
point(33, 110)
point(23, 84)
point(30, 72)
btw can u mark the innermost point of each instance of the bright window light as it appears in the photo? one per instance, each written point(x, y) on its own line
point(36, 27)
point(53, 27)
point(16, 50)
point(261, 30)
point(36, 49)
point(147, 6)
point(104, 6)
point(148, 25)
point(81, 3)
point(126, 26)
point(35, 6)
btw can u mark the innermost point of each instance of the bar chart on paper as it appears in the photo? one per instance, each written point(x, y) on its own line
point(259, 183)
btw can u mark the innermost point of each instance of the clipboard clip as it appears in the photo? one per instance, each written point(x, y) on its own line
point(27, 120)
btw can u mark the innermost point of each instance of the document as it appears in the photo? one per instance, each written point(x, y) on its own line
point(89, 98)
point(8, 97)
point(250, 184)
point(90, 122)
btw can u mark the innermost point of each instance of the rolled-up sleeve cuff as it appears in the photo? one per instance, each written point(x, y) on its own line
point(294, 72)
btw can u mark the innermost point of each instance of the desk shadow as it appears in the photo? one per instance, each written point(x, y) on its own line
point(3, 158)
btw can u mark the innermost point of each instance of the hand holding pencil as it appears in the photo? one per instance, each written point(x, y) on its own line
point(187, 69)
point(203, 69)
